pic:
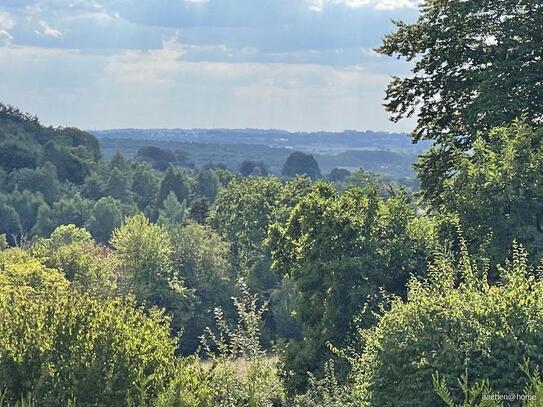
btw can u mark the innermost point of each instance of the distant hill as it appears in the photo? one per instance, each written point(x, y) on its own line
point(317, 141)
point(390, 154)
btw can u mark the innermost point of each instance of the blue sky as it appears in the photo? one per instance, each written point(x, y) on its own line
point(289, 64)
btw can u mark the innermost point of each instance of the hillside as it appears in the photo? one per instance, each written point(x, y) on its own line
point(26, 144)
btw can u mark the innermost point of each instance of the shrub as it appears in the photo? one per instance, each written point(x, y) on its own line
point(61, 345)
point(452, 323)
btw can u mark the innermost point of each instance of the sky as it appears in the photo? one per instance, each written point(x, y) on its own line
point(300, 65)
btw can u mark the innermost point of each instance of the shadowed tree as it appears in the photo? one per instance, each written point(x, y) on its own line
point(175, 180)
point(160, 159)
point(145, 185)
point(255, 168)
point(299, 163)
point(15, 155)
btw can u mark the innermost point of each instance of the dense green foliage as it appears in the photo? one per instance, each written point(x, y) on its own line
point(343, 251)
point(242, 214)
point(151, 282)
point(62, 345)
point(476, 66)
point(51, 177)
point(452, 323)
point(496, 192)
point(201, 259)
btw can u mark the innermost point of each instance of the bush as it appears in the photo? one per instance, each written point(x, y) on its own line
point(452, 323)
point(61, 345)
point(480, 393)
point(191, 387)
point(89, 267)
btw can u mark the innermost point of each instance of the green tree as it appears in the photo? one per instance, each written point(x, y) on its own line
point(71, 210)
point(476, 66)
point(15, 155)
point(118, 185)
point(89, 267)
point(145, 253)
point(338, 174)
point(145, 184)
point(496, 193)
point(249, 168)
point(342, 251)
point(69, 166)
point(175, 180)
point(119, 162)
point(452, 323)
point(43, 180)
point(44, 222)
point(10, 223)
point(159, 158)
point(174, 212)
point(105, 216)
point(3, 242)
point(93, 186)
point(207, 184)
point(27, 205)
point(201, 259)
point(242, 214)
point(199, 210)
point(224, 175)
point(81, 140)
point(299, 163)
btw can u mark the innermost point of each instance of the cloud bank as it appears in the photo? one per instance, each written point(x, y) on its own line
point(294, 64)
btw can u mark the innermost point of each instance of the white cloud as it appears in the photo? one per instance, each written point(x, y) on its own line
point(394, 4)
point(5, 38)
point(6, 21)
point(147, 68)
point(6, 24)
point(157, 89)
point(319, 5)
point(48, 31)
